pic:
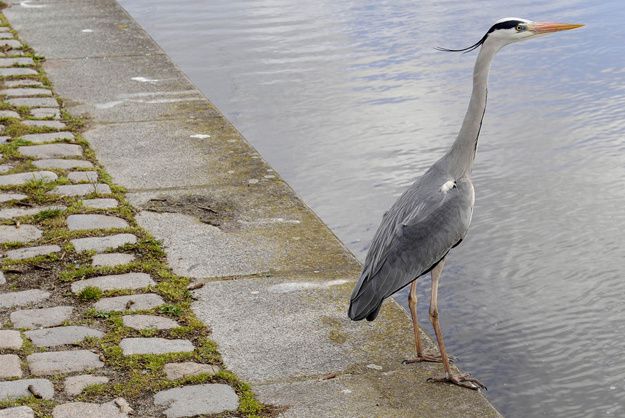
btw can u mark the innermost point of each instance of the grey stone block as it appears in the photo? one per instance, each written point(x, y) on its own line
point(10, 366)
point(111, 259)
point(45, 112)
point(12, 71)
point(9, 62)
point(115, 282)
point(25, 233)
point(148, 322)
point(41, 318)
point(52, 124)
point(81, 189)
point(90, 410)
point(23, 82)
point(62, 164)
point(31, 252)
point(129, 303)
point(100, 203)
point(189, 401)
point(5, 167)
point(10, 339)
point(51, 150)
point(94, 221)
point(50, 363)
point(14, 212)
point(22, 298)
point(101, 244)
point(17, 412)
point(9, 114)
point(22, 178)
point(188, 368)
point(131, 346)
point(74, 385)
point(25, 92)
point(48, 137)
point(34, 102)
point(52, 337)
point(19, 389)
point(11, 43)
point(83, 176)
point(7, 197)
point(3, 279)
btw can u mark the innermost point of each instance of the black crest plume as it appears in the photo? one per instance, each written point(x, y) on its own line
point(506, 24)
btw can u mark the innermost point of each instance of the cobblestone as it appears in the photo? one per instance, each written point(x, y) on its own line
point(22, 298)
point(189, 401)
point(48, 137)
point(52, 337)
point(19, 389)
point(41, 318)
point(141, 322)
point(83, 176)
point(10, 366)
point(10, 339)
point(62, 164)
point(112, 259)
point(127, 281)
point(90, 410)
point(22, 178)
point(9, 62)
point(131, 346)
point(7, 197)
point(81, 189)
point(129, 303)
point(31, 252)
point(9, 213)
point(42, 364)
point(74, 385)
point(45, 112)
point(23, 82)
point(17, 412)
point(176, 371)
point(33, 101)
point(81, 222)
point(51, 150)
point(52, 124)
point(101, 244)
point(100, 203)
point(25, 92)
point(12, 71)
point(9, 114)
point(25, 233)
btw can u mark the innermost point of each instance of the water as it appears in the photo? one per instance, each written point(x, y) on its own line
point(349, 101)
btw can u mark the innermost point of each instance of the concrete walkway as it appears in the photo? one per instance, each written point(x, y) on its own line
point(275, 280)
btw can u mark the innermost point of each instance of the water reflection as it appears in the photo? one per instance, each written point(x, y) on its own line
point(349, 101)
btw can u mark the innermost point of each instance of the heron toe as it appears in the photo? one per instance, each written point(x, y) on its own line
point(463, 380)
point(425, 358)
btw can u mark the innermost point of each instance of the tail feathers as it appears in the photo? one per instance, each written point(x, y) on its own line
point(364, 304)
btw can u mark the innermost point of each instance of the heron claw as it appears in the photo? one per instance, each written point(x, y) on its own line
point(463, 380)
point(427, 358)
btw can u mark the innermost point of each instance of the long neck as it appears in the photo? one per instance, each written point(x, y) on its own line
point(462, 153)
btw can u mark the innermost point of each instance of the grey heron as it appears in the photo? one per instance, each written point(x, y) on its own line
point(433, 215)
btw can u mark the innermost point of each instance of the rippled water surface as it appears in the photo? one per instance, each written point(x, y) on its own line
point(349, 101)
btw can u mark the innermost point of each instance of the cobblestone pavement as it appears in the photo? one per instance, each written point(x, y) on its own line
point(92, 321)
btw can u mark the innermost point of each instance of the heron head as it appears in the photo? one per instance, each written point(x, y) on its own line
point(513, 29)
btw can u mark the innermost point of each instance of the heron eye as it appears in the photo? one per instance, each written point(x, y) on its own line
point(520, 28)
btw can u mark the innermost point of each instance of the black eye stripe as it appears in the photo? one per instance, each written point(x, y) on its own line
point(508, 24)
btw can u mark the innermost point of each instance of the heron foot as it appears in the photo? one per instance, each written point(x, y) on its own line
point(424, 358)
point(463, 380)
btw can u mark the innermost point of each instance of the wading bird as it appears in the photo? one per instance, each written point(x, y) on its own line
point(433, 215)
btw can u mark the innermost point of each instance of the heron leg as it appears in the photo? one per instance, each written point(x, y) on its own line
point(463, 380)
point(421, 356)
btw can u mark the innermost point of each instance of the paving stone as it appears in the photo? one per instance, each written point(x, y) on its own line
point(189, 401)
point(51, 150)
point(17, 412)
point(154, 346)
point(48, 137)
point(188, 368)
point(30, 252)
point(52, 124)
point(5, 167)
point(25, 92)
point(19, 389)
point(22, 298)
point(81, 189)
point(21, 178)
point(9, 62)
point(148, 322)
point(8, 72)
point(129, 303)
point(74, 385)
point(115, 282)
point(13, 212)
point(10, 366)
point(90, 410)
point(62, 164)
point(10, 339)
point(23, 82)
point(34, 102)
point(45, 112)
point(52, 337)
point(62, 362)
point(101, 244)
point(94, 221)
point(6, 35)
point(25, 233)
point(41, 318)
point(4, 139)
point(111, 259)
point(83, 176)
point(9, 114)
point(100, 203)
point(10, 43)
point(3, 280)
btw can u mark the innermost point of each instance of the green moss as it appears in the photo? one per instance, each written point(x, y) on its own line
point(90, 293)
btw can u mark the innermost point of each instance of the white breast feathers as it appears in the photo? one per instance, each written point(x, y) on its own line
point(450, 184)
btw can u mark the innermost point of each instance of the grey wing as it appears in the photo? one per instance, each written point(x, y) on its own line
point(414, 235)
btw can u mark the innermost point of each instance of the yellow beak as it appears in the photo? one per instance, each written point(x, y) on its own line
point(549, 27)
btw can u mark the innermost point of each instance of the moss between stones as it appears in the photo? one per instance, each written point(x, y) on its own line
point(135, 377)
